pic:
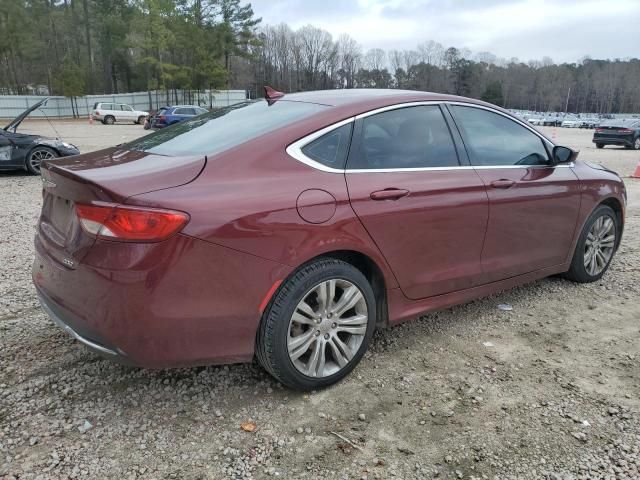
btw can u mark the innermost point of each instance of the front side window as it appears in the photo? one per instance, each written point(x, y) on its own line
point(411, 137)
point(224, 128)
point(495, 140)
point(332, 148)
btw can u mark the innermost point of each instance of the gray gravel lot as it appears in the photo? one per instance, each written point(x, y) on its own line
point(549, 390)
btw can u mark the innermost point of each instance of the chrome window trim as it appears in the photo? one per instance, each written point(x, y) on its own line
point(295, 149)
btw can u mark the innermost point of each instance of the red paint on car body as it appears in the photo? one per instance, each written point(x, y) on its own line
point(196, 298)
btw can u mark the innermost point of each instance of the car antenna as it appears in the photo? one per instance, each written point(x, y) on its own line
point(271, 94)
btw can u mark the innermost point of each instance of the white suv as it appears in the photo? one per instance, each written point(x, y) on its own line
point(110, 113)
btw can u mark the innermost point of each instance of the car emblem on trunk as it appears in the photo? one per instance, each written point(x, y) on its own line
point(48, 183)
point(67, 262)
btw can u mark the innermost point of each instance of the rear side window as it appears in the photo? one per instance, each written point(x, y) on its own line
point(412, 137)
point(332, 148)
point(224, 128)
point(95, 105)
point(495, 140)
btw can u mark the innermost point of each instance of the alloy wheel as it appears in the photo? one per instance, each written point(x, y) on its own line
point(327, 328)
point(636, 145)
point(37, 156)
point(599, 245)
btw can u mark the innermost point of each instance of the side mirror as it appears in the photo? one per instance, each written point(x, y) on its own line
point(563, 155)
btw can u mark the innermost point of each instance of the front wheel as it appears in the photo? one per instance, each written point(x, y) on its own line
point(36, 156)
point(636, 144)
point(318, 325)
point(596, 245)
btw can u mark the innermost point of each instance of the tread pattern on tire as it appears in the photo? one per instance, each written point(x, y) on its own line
point(576, 272)
point(265, 338)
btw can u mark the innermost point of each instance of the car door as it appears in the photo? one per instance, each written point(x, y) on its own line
point(533, 205)
point(126, 113)
point(426, 212)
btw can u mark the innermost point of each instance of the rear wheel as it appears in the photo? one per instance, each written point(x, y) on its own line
point(109, 120)
point(595, 248)
point(36, 156)
point(599, 145)
point(636, 144)
point(140, 120)
point(317, 326)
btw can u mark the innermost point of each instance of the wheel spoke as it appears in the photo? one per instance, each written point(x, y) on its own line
point(347, 301)
point(356, 325)
point(341, 352)
point(299, 345)
point(301, 319)
point(315, 365)
point(304, 308)
point(608, 241)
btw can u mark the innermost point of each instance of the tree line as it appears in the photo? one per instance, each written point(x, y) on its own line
point(79, 47)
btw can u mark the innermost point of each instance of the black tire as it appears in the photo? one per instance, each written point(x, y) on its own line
point(599, 145)
point(36, 155)
point(140, 120)
point(636, 144)
point(109, 120)
point(578, 272)
point(271, 340)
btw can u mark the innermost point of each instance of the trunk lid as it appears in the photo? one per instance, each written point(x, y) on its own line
point(109, 176)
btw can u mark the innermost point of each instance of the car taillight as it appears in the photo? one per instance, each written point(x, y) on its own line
point(599, 130)
point(97, 112)
point(130, 224)
point(625, 130)
point(161, 118)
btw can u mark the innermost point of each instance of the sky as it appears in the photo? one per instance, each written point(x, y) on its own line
point(565, 30)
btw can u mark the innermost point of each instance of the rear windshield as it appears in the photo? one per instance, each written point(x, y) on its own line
point(225, 128)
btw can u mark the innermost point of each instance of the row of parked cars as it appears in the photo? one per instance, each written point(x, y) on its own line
point(110, 113)
point(566, 121)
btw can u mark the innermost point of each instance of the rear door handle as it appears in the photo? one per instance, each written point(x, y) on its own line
point(389, 194)
point(503, 183)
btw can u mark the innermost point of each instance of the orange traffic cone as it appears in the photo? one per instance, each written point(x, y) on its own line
point(636, 174)
point(90, 119)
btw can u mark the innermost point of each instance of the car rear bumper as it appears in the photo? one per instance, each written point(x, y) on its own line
point(64, 319)
point(175, 303)
point(624, 141)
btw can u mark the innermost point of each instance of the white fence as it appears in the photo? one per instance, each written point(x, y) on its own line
point(59, 107)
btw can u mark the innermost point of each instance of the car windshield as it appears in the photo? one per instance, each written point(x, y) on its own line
point(225, 128)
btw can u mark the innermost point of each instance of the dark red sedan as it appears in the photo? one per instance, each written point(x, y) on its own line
point(290, 228)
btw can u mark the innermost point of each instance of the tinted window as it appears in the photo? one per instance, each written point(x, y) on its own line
point(217, 131)
point(200, 111)
point(413, 137)
point(332, 148)
point(496, 140)
point(95, 105)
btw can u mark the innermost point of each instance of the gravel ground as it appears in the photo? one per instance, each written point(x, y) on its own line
point(550, 389)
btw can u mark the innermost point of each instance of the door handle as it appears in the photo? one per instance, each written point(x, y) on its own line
point(389, 194)
point(503, 183)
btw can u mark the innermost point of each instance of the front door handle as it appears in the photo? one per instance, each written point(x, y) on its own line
point(389, 194)
point(503, 183)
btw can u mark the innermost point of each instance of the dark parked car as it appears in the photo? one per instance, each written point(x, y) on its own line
point(170, 115)
point(292, 228)
point(618, 132)
point(24, 151)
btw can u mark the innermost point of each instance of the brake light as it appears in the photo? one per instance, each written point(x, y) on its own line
point(97, 112)
point(625, 130)
point(599, 130)
point(161, 118)
point(130, 224)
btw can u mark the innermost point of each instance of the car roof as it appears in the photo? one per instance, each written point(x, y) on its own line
point(368, 97)
point(183, 106)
